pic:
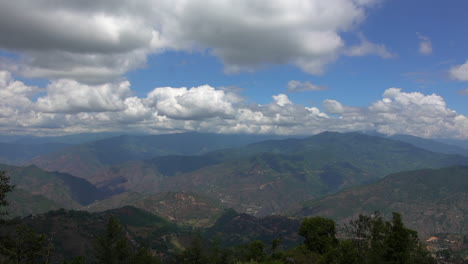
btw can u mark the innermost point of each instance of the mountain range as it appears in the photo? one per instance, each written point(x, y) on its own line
point(84, 160)
point(191, 179)
point(274, 176)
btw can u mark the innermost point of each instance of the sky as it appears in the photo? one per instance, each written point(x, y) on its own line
point(296, 67)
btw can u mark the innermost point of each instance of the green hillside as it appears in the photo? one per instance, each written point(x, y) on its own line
point(275, 176)
point(432, 200)
point(23, 203)
point(65, 190)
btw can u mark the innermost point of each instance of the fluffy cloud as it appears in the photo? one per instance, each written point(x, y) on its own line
point(195, 103)
point(96, 41)
point(297, 86)
point(425, 45)
point(15, 96)
point(414, 114)
point(66, 106)
point(459, 72)
point(333, 107)
point(68, 96)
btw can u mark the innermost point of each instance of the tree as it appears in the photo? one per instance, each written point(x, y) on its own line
point(112, 247)
point(76, 260)
point(255, 251)
point(319, 234)
point(194, 253)
point(403, 246)
point(368, 235)
point(143, 256)
point(26, 247)
point(5, 188)
point(389, 242)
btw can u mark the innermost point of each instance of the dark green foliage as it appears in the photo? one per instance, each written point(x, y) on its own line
point(194, 253)
point(319, 234)
point(387, 242)
point(234, 228)
point(254, 251)
point(25, 246)
point(77, 260)
point(112, 247)
point(144, 256)
point(5, 188)
point(346, 253)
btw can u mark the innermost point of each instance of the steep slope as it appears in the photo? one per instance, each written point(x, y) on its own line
point(432, 200)
point(86, 159)
point(66, 190)
point(275, 176)
point(184, 208)
point(23, 203)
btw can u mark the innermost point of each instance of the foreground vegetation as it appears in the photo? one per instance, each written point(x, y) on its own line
point(369, 239)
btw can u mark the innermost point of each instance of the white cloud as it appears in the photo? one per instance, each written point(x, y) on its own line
point(366, 47)
point(414, 114)
point(298, 86)
point(425, 45)
point(96, 42)
point(333, 107)
point(459, 72)
point(282, 99)
point(15, 96)
point(68, 96)
point(93, 108)
point(194, 103)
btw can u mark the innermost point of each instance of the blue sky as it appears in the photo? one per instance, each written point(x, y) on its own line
point(393, 23)
point(68, 67)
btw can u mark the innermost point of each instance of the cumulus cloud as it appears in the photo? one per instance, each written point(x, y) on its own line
point(333, 107)
point(282, 99)
point(194, 103)
point(414, 114)
point(459, 72)
point(95, 41)
point(298, 86)
point(69, 96)
point(15, 96)
point(66, 106)
point(425, 45)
